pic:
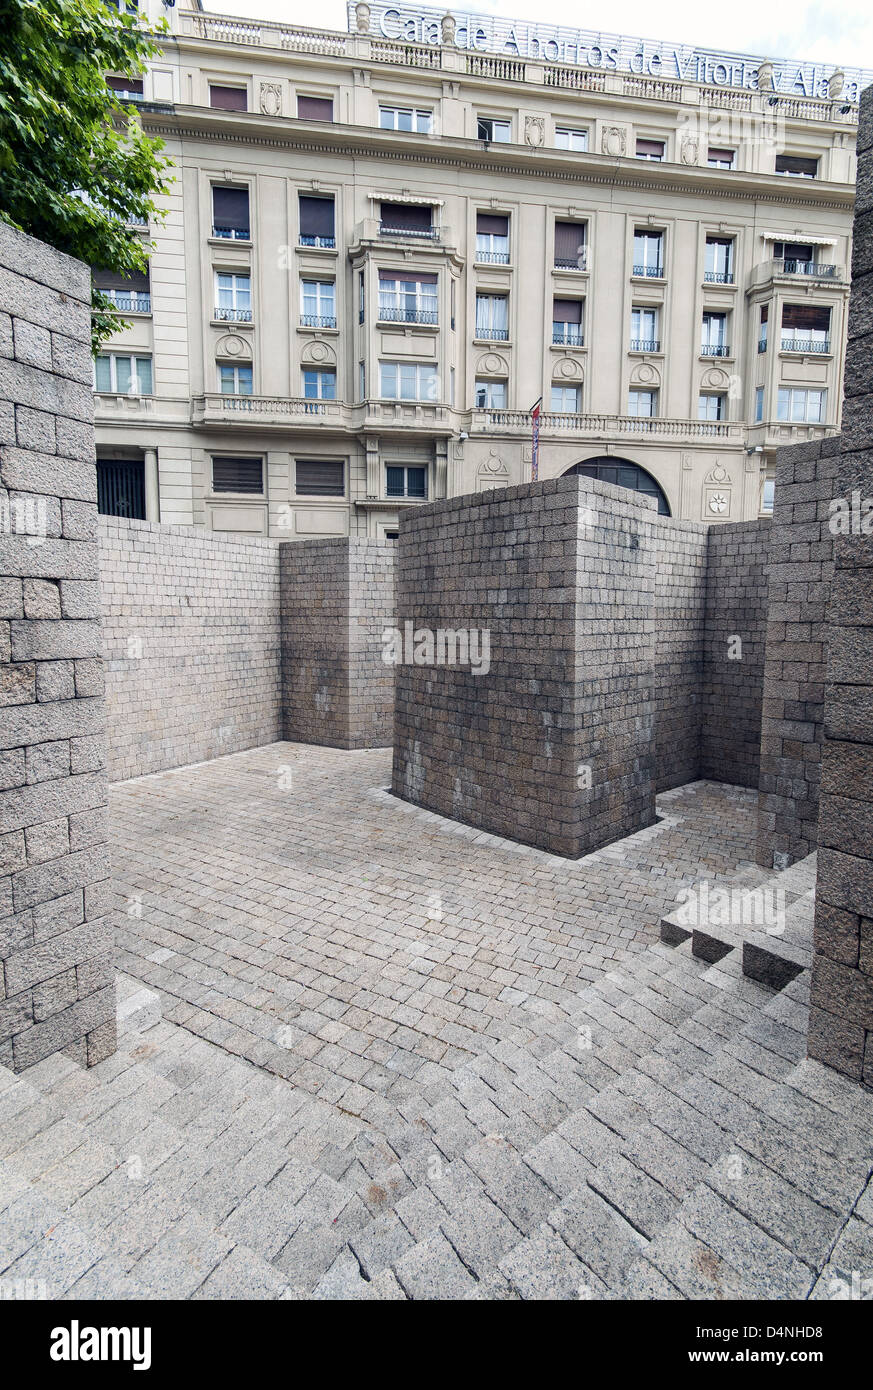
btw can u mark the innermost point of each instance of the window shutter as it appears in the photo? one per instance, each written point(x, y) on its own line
point(569, 236)
point(315, 108)
point(406, 217)
point(109, 280)
point(650, 147)
point(567, 311)
point(316, 216)
point(237, 475)
point(489, 224)
point(796, 164)
point(230, 208)
point(811, 316)
point(125, 84)
point(407, 277)
point(320, 478)
point(229, 98)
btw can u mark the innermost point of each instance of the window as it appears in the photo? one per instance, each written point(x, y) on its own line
point(570, 247)
point(567, 322)
point(759, 404)
point(492, 238)
point(798, 258)
point(126, 88)
point(500, 132)
point(314, 108)
point(408, 381)
point(714, 337)
point(319, 478)
point(623, 473)
point(650, 149)
point(362, 295)
point(806, 328)
point(762, 332)
point(121, 488)
point(797, 166)
point(801, 406)
point(649, 254)
point(319, 385)
point(719, 261)
point(318, 304)
point(232, 474)
point(566, 139)
point(117, 372)
point(362, 381)
point(768, 496)
point(130, 294)
point(642, 403)
point(407, 298)
point(316, 221)
point(492, 316)
point(402, 481)
point(234, 380)
point(566, 400)
point(721, 159)
point(229, 98)
point(645, 334)
point(230, 213)
point(233, 297)
point(405, 118)
point(490, 395)
point(712, 406)
point(407, 220)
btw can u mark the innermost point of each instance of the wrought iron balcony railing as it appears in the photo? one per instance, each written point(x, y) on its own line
point(410, 233)
point(816, 269)
point(579, 262)
point(496, 335)
point(318, 320)
point(651, 272)
point(718, 277)
point(715, 350)
point(231, 315)
point(806, 344)
point(324, 243)
point(567, 334)
point(232, 233)
point(762, 344)
point(492, 257)
point(645, 345)
point(387, 315)
point(130, 301)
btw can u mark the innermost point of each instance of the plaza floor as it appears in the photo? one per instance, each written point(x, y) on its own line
point(397, 1058)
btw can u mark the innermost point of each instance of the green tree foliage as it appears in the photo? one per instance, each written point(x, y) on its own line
point(75, 166)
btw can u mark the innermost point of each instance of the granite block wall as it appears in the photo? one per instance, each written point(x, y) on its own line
point(680, 616)
point(192, 644)
point(550, 742)
point(733, 671)
point(56, 984)
point(337, 598)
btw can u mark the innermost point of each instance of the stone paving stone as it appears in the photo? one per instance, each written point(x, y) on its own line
point(734, 1238)
point(543, 1267)
point(604, 1242)
point(854, 1249)
point(59, 1257)
point(695, 1269)
point(432, 1269)
point(642, 1201)
point(181, 1260)
point(381, 1245)
point(643, 1281)
point(242, 1275)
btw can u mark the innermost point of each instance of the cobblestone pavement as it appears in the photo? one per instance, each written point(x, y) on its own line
point(400, 1060)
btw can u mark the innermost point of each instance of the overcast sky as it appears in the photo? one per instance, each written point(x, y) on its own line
point(825, 31)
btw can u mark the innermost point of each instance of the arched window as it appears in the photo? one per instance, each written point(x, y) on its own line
point(623, 473)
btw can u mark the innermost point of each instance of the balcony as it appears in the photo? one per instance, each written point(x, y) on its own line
point(319, 243)
point(715, 350)
point(816, 270)
point(579, 262)
point(806, 345)
point(567, 335)
point(718, 277)
point(318, 320)
point(260, 411)
point(596, 427)
point(645, 345)
point(130, 301)
point(225, 315)
point(426, 316)
point(650, 272)
point(492, 258)
point(231, 233)
point(409, 233)
point(491, 335)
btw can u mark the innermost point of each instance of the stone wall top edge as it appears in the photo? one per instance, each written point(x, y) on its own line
point(28, 256)
point(119, 526)
point(572, 485)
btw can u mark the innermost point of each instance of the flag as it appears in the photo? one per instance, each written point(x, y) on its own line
point(535, 451)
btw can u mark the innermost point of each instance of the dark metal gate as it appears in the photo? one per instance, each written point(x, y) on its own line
point(121, 488)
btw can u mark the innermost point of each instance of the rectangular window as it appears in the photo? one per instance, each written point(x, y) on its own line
point(642, 403)
point(806, 328)
point(721, 159)
point(645, 331)
point(230, 213)
point(712, 406)
point(131, 294)
point(492, 316)
point(318, 303)
point(407, 298)
point(567, 322)
point(319, 478)
point(797, 166)
point(714, 336)
point(499, 132)
point(407, 220)
point(566, 400)
point(801, 406)
point(768, 496)
point(314, 108)
point(490, 395)
point(362, 381)
point(401, 481)
point(650, 149)
point(319, 385)
point(123, 374)
point(570, 246)
point(406, 118)
point(234, 380)
point(762, 331)
point(408, 381)
point(567, 139)
point(232, 474)
point(126, 88)
point(649, 254)
point(233, 297)
point(316, 221)
point(759, 404)
point(492, 238)
point(228, 98)
point(719, 260)
point(362, 295)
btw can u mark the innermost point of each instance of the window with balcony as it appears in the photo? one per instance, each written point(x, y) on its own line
point(801, 406)
point(800, 258)
point(319, 478)
point(490, 395)
point(232, 473)
point(492, 317)
point(492, 238)
point(721, 159)
point(763, 327)
point(130, 294)
point(650, 149)
point(645, 329)
point(230, 213)
point(499, 132)
point(318, 304)
point(123, 374)
point(316, 221)
point(409, 297)
point(797, 166)
point(407, 220)
point(228, 98)
point(406, 118)
point(314, 108)
point(319, 385)
point(571, 251)
point(567, 138)
point(649, 254)
point(408, 381)
point(566, 400)
point(405, 481)
point(567, 322)
point(719, 261)
point(126, 88)
point(714, 339)
point(233, 297)
point(234, 379)
point(712, 405)
point(806, 328)
point(642, 403)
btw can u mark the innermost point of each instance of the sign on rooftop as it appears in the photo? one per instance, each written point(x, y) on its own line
point(602, 52)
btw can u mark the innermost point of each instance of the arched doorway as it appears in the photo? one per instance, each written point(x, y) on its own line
point(623, 473)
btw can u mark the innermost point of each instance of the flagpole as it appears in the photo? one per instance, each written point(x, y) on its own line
point(534, 413)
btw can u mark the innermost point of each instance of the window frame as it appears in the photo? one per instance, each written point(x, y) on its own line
point(237, 369)
point(563, 387)
point(502, 124)
point(429, 369)
point(323, 376)
point(408, 468)
point(570, 132)
point(325, 320)
point(486, 384)
point(415, 113)
point(318, 462)
point(236, 492)
point(131, 357)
